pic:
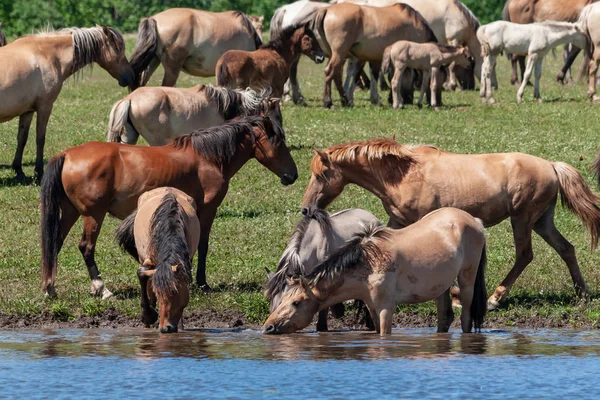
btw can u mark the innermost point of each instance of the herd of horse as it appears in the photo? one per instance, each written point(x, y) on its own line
point(168, 193)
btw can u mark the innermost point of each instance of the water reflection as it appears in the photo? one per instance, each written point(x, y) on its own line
point(251, 345)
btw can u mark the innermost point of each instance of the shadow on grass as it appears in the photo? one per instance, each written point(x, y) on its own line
point(127, 292)
point(248, 287)
point(544, 299)
point(13, 182)
point(238, 214)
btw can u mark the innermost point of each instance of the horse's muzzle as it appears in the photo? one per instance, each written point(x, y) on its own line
point(319, 58)
point(169, 329)
point(126, 79)
point(287, 179)
point(270, 330)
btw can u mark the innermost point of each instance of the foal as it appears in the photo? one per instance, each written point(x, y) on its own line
point(427, 57)
point(270, 65)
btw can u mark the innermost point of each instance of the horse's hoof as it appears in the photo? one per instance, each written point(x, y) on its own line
point(20, 177)
point(206, 288)
point(97, 288)
point(492, 304)
point(106, 294)
point(149, 317)
point(539, 100)
point(491, 101)
point(520, 100)
point(456, 303)
point(595, 98)
point(50, 292)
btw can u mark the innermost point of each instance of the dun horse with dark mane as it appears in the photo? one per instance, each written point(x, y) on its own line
point(94, 179)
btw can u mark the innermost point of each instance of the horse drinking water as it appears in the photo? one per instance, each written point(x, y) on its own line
point(385, 267)
point(163, 235)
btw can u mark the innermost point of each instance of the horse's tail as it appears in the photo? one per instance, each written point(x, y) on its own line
point(125, 235)
point(596, 168)
point(577, 196)
point(316, 25)
point(479, 302)
point(251, 30)
point(386, 63)
point(119, 124)
point(589, 48)
point(144, 52)
point(52, 193)
point(223, 75)
point(485, 45)
point(169, 245)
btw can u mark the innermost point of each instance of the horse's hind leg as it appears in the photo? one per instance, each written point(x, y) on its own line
point(537, 75)
point(322, 320)
point(297, 97)
point(426, 78)
point(466, 298)
point(531, 60)
point(546, 229)
point(522, 228)
point(444, 311)
point(488, 79)
point(397, 100)
point(593, 69)
point(43, 115)
point(87, 247)
point(374, 69)
point(24, 124)
point(172, 65)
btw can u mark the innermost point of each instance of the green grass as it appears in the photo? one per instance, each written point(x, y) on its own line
point(258, 213)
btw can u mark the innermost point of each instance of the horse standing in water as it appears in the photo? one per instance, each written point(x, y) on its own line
point(162, 234)
point(413, 181)
point(34, 68)
point(316, 236)
point(189, 40)
point(95, 178)
point(385, 267)
point(160, 114)
point(270, 65)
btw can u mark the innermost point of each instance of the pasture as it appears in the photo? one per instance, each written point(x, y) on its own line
point(258, 214)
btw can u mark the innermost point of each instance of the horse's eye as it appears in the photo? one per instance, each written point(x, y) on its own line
point(296, 303)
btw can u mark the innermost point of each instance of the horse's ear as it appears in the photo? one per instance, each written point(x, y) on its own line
point(176, 268)
point(304, 283)
point(261, 19)
point(324, 156)
point(269, 273)
point(147, 263)
point(274, 102)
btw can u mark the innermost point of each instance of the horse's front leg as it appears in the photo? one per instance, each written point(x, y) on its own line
point(374, 69)
point(432, 86)
point(397, 100)
point(87, 246)
point(593, 69)
point(149, 314)
point(43, 115)
point(488, 79)
point(206, 220)
point(24, 124)
point(297, 97)
point(537, 75)
point(426, 77)
point(353, 72)
point(485, 68)
point(444, 311)
point(530, 62)
point(322, 320)
point(386, 316)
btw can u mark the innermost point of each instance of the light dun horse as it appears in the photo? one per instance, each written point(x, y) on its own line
point(257, 24)
point(160, 114)
point(34, 68)
point(94, 179)
point(590, 24)
point(426, 57)
point(534, 40)
point(316, 236)
point(163, 235)
point(269, 66)
point(189, 40)
point(413, 181)
point(385, 267)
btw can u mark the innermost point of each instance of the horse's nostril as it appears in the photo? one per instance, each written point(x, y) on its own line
point(269, 329)
point(169, 329)
point(304, 211)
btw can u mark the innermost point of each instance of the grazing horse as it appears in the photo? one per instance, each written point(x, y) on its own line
point(364, 32)
point(34, 68)
point(385, 267)
point(535, 40)
point(2, 37)
point(413, 181)
point(189, 40)
point(269, 66)
point(426, 57)
point(289, 15)
point(316, 236)
point(160, 114)
point(162, 234)
point(95, 178)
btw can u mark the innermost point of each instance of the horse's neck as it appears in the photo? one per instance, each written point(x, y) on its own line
point(366, 176)
point(62, 51)
point(558, 37)
point(243, 153)
point(289, 52)
point(339, 290)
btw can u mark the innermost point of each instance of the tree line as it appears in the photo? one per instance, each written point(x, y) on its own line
point(25, 16)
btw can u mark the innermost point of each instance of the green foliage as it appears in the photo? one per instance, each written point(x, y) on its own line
point(486, 10)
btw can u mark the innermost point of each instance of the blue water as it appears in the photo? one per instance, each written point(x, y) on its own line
point(412, 363)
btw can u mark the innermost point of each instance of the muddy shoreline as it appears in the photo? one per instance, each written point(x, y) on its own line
point(211, 319)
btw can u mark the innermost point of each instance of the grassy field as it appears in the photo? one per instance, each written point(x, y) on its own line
point(258, 213)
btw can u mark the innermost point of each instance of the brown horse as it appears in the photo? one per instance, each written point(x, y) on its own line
point(385, 267)
point(364, 32)
point(413, 181)
point(94, 179)
point(162, 234)
point(33, 71)
point(2, 37)
point(269, 66)
point(189, 40)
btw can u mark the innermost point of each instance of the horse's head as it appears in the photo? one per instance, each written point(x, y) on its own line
point(112, 57)
point(463, 57)
point(309, 45)
point(296, 310)
point(326, 182)
point(272, 152)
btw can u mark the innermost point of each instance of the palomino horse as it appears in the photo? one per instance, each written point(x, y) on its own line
point(94, 179)
point(34, 68)
point(529, 11)
point(413, 181)
point(426, 57)
point(289, 15)
point(316, 236)
point(385, 267)
point(535, 40)
point(189, 40)
point(162, 234)
point(257, 24)
point(269, 66)
point(160, 114)
point(363, 32)
point(2, 37)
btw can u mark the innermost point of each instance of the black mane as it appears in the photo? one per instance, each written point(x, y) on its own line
point(417, 17)
point(283, 39)
point(250, 28)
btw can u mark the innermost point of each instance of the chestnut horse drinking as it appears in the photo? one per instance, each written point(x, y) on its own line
point(95, 178)
point(316, 236)
point(189, 40)
point(34, 68)
point(270, 65)
point(162, 234)
point(385, 267)
point(413, 181)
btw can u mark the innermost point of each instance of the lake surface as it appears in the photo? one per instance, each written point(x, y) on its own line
point(411, 363)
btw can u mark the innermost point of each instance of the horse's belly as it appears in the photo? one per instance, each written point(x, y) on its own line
point(203, 59)
point(423, 281)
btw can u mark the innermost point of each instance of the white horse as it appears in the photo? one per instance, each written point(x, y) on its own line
point(534, 40)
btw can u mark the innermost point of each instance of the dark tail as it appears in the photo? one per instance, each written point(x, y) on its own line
point(52, 192)
point(144, 52)
point(2, 37)
point(596, 168)
point(125, 235)
point(479, 302)
point(223, 75)
point(386, 63)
